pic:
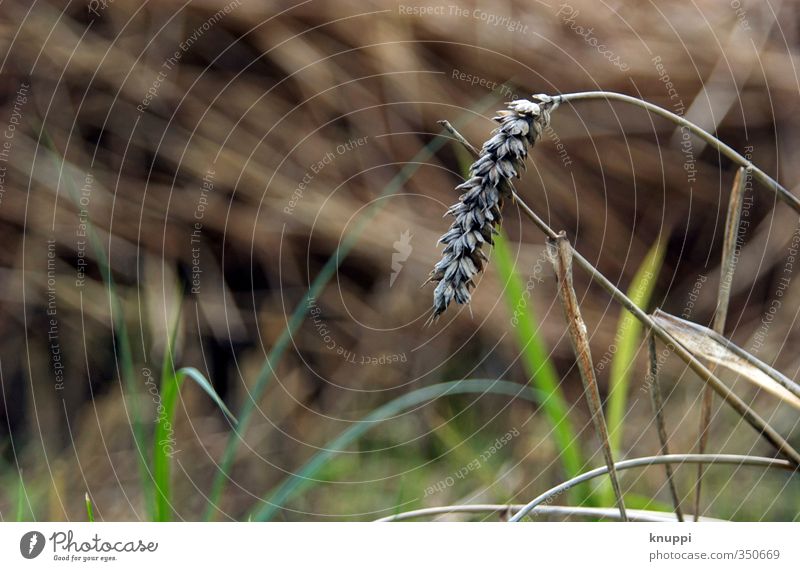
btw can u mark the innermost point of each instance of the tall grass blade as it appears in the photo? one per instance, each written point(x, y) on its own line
point(164, 441)
point(536, 361)
point(305, 475)
point(538, 366)
point(627, 341)
point(89, 508)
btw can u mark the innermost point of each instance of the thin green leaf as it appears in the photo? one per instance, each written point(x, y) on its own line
point(89, 508)
point(207, 387)
point(628, 340)
point(538, 365)
point(306, 474)
point(164, 440)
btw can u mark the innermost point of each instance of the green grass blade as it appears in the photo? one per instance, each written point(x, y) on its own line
point(628, 338)
point(305, 475)
point(89, 508)
point(207, 387)
point(538, 366)
point(164, 441)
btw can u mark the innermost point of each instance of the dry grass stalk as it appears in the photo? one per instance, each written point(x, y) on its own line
point(560, 252)
point(727, 268)
point(657, 400)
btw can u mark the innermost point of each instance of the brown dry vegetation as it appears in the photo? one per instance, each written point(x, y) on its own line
point(260, 98)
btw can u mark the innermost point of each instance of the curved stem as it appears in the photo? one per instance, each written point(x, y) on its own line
point(501, 509)
point(657, 401)
point(651, 461)
point(723, 148)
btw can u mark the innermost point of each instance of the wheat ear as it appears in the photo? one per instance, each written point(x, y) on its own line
point(478, 212)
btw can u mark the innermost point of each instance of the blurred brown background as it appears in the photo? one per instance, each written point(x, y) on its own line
point(224, 150)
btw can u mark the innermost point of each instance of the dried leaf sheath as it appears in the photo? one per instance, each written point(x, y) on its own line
point(478, 211)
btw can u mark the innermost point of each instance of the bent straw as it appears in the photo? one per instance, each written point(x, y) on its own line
point(736, 459)
point(549, 510)
point(560, 252)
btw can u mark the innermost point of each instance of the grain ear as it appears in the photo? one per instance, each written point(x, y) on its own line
point(478, 212)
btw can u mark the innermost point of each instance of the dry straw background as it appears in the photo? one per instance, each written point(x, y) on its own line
point(262, 96)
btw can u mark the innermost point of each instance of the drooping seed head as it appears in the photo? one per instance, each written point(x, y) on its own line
point(478, 212)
